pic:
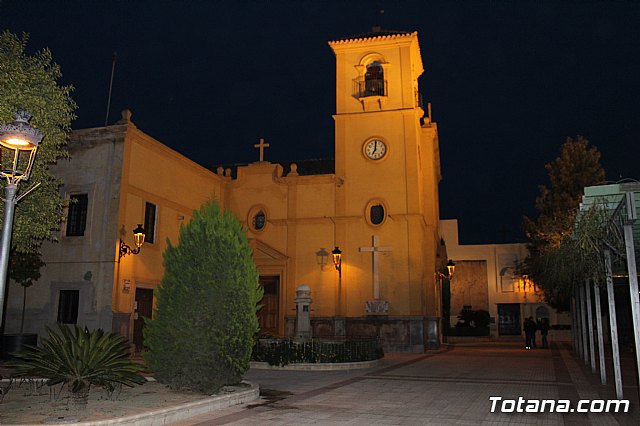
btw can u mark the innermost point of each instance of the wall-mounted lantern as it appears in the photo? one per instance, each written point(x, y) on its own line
point(337, 259)
point(451, 267)
point(138, 239)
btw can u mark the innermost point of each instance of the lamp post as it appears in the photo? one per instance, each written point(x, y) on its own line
point(18, 144)
point(451, 267)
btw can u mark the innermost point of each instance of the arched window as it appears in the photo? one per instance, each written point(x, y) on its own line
point(374, 80)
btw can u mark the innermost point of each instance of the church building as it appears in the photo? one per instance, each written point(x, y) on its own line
point(378, 206)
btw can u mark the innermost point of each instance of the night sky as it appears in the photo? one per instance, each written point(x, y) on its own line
point(508, 82)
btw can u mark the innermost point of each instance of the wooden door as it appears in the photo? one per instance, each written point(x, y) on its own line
point(143, 309)
point(268, 314)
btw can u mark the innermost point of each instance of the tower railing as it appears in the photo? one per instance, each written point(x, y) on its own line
point(370, 87)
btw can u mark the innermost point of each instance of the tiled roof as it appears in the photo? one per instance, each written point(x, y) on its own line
point(375, 33)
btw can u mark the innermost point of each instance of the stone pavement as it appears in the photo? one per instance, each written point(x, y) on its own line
point(450, 386)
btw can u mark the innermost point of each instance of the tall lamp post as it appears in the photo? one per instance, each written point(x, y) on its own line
point(18, 146)
point(451, 267)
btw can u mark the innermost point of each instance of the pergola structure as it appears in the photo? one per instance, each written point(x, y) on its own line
point(617, 239)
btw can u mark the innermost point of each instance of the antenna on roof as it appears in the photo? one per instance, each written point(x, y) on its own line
point(113, 69)
point(376, 27)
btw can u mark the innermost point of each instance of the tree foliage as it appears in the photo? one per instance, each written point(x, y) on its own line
point(30, 82)
point(24, 269)
point(202, 331)
point(555, 260)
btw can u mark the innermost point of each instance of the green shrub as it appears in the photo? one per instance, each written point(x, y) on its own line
point(475, 319)
point(201, 334)
point(80, 358)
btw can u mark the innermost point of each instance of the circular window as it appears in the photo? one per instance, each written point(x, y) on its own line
point(376, 212)
point(257, 218)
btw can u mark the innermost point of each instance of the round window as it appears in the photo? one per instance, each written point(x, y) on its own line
point(259, 220)
point(376, 214)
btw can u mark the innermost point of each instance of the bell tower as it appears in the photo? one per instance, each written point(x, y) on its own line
point(387, 170)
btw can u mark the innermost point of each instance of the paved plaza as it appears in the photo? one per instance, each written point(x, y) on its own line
point(449, 386)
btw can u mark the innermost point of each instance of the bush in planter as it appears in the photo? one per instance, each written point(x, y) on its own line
point(203, 329)
point(80, 358)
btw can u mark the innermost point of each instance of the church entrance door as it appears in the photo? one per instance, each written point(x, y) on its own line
point(143, 309)
point(268, 314)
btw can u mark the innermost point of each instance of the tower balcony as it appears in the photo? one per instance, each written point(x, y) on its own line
point(363, 88)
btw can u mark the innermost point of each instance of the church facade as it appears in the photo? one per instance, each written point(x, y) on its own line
point(378, 206)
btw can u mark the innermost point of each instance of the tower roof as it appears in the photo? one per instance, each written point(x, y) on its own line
point(376, 32)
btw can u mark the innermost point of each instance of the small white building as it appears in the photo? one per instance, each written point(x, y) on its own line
point(488, 277)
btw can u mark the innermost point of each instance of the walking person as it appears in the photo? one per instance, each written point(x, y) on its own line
point(529, 329)
point(544, 331)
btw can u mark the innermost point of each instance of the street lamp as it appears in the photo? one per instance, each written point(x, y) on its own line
point(138, 239)
point(337, 259)
point(451, 267)
point(18, 146)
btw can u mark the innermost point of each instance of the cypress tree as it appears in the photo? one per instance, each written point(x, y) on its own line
point(201, 334)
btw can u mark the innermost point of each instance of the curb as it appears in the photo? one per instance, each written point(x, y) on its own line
point(180, 412)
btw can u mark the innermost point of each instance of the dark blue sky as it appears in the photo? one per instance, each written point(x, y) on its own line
point(508, 82)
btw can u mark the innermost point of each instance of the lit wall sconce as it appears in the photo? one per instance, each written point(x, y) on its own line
point(337, 259)
point(138, 239)
point(321, 257)
point(451, 268)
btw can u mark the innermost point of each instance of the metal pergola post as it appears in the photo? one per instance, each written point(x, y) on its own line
point(583, 317)
point(613, 324)
point(632, 271)
point(600, 334)
point(592, 349)
point(577, 315)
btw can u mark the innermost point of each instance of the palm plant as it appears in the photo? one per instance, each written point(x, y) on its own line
point(80, 358)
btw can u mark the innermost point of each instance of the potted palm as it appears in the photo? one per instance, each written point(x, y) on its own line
point(24, 269)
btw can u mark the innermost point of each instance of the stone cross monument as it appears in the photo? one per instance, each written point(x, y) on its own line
point(377, 305)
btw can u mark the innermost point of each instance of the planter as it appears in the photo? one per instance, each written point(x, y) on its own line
point(16, 343)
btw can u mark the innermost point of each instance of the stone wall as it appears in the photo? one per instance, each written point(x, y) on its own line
point(469, 287)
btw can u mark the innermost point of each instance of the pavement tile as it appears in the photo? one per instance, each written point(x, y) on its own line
point(447, 388)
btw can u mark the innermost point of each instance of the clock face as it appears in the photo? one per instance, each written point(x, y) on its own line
point(375, 149)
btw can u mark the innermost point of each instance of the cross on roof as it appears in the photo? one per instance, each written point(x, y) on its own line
point(261, 146)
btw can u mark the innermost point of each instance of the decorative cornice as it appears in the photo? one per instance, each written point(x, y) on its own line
point(367, 38)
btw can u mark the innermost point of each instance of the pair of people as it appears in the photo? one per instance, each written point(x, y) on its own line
point(530, 328)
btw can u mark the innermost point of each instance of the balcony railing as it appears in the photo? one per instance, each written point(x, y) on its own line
point(372, 87)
